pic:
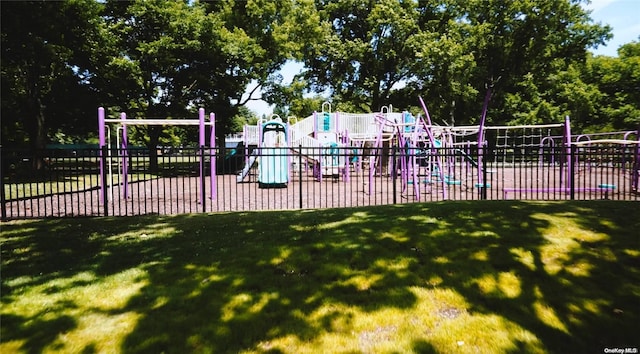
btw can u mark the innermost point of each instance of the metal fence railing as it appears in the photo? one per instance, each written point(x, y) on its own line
point(93, 182)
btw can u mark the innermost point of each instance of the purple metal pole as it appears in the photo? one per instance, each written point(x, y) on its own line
point(483, 121)
point(201, 146)
point(201, 118)
point(212, 155)
point(381, 120)
point(245, 142)
point(432, 140)
point(636, 164)
point(567, 145)
point(125, 162)
point(101, 137)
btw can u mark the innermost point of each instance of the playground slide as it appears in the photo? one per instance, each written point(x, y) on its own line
point(273, 164)
point(273, 168)
point(247, 167)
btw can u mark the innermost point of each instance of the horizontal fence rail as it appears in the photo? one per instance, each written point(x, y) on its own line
point(116, 182)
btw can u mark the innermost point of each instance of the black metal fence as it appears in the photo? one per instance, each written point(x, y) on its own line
point(93, 182)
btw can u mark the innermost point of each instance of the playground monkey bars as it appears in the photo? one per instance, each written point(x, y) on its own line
point(124, 123)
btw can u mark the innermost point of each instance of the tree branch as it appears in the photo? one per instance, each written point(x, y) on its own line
point(250, 96)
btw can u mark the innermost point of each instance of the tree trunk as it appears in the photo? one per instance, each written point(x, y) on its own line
point(154, 139)
point(35, 125)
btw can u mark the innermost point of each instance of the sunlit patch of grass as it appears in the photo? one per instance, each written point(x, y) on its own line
point(447, 323)
point(564, 236)
point(483, 233)
point(424, 219)
point(245, 304)
point(548, 316)
point(504, 284)
point(94, 303)
point(441, 260)
point(480, 255)
point(525, 257)
point(146, 233)
point(396, 235)
point(355, 218)
point(580, 268)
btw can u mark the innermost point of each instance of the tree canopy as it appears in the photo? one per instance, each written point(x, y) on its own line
point(167, 58)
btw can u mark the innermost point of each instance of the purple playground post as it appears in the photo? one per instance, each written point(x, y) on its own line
point(201, 146)
point(212, 154)
point(125, 154)
point(567, 146)
point(636, 164)
point(485, 108)
point(552, 144)
point(101, 137)
point(434, 150)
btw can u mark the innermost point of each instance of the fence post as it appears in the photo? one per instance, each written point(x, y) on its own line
point(300, 175)
point(2, 194)
point(636, 163)
point(484, 172)
point(104, 190)
point(202, 182)
point(570, 171)
point(394, 172)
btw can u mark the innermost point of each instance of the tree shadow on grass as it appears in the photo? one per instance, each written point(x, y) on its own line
point(243, 281)
point(575, 287)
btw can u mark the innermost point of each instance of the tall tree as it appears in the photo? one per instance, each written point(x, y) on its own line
point(172, 57)
point(519, 44)
point(177, 56)
point(148, 69)
point(363, 51)
point(376, 52)
point(618, 81)
point(46, 51)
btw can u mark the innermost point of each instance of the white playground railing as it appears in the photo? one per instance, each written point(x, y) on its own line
point(364, 126)
point(357, 126)
point(300, 130)
point(251, 135)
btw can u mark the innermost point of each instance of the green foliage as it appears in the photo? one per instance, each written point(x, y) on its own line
point(293, 100)
point(46, 68)
point(244, 116)
point(374, 53)
point(617, 80)
point(363, 52)
point(164, 59)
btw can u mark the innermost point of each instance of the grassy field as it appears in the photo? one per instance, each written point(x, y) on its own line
point(500, 277)
point(82, 174)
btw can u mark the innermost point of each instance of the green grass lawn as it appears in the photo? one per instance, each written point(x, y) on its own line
point(82, 174)
point(488, 277)
point(16, 191)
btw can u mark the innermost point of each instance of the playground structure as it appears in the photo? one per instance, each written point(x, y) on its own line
point(104, 136)
point(270, 155)
point(316, 140)
point(362, 159)
point(427, 158)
